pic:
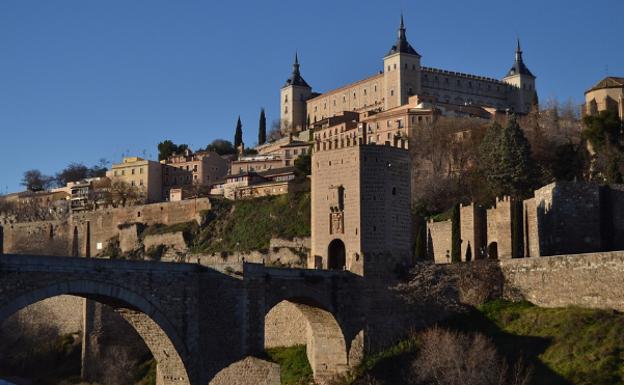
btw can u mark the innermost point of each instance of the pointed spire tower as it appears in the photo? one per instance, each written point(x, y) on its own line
point(293, 101)
point(401, 71)
point(521, 77)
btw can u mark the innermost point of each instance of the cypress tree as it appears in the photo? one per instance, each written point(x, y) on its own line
point(238, 135)
point(505, 160)
point(262, 128)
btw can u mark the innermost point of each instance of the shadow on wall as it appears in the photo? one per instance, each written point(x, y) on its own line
point(575, 218)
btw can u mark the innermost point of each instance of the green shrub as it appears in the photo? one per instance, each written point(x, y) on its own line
point(250, 224)
point(293, 362)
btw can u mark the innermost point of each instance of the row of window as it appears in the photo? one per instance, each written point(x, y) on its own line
point(405, 66)
point(123, 171)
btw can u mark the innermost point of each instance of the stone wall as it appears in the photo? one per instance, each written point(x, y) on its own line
point(128, 238)
point(249, 371)
point(531, 239)
point(499, 228)
point(284, 325)
point(473, 231)
point(45, 237)
point(279, 257)
point(295, 243)
point(616, 199)
point(104, 223)
point(87, 233)
point(569, 218)
point(587, 280)
point(63, 313)
point(174, 242)
point(439, 241)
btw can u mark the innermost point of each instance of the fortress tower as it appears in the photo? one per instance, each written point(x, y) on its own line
point(361, 218)
point(401, 71)
point(520, 77)
point(294, 95)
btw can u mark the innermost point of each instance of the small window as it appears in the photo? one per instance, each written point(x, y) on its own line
point(394, 191)
point(138, 214)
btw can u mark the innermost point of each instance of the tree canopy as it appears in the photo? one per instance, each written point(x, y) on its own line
point(35, 180)
point(167, 148)
point(78, 171)
point(603, 129)
point(221, 147)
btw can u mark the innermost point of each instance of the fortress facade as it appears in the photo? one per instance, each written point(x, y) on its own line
point(402, 78)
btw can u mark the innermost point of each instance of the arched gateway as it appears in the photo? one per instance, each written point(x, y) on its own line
point(336, 255)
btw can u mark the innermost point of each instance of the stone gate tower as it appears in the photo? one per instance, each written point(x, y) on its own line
point(361, 218)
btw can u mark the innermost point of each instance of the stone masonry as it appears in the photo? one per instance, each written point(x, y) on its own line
point(197, 321)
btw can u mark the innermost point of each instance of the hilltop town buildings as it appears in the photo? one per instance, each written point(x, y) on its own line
point(403, 77)
point(145, 175)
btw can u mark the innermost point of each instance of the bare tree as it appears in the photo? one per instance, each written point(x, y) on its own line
point(123, 194)
point(452, 358)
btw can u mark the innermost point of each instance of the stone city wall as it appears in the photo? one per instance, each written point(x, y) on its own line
point(588, 280)
point(174, 242)
point(295, 243)
point(45, 237)
point(439, 241)
point(87, 234)
point(499, 229)
point(473, 231)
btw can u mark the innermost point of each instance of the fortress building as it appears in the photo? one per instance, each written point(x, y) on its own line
point(404, 78)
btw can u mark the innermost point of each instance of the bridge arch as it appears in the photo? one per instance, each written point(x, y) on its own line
point(150, 323)
point(326, 347)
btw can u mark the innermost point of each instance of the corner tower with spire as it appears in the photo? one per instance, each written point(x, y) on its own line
point(293, 101)
point(523, 80)
point(401, 71)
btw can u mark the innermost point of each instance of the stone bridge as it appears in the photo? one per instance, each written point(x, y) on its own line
point(195, 320)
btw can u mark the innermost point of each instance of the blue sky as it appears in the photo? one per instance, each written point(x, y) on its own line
point(83, 80)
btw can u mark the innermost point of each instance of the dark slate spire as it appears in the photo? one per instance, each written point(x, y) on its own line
point(402, 45)
point(295, 78)
point(519, 68)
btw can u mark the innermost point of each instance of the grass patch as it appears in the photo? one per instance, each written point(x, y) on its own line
point(250, 224)
point(293, 362)
point(146, 373)
point(585, 346)
point(564, 346)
